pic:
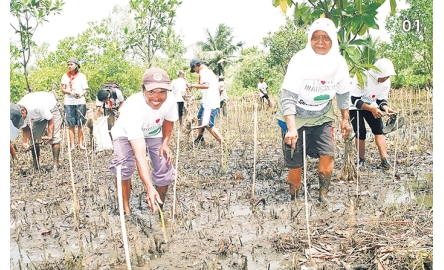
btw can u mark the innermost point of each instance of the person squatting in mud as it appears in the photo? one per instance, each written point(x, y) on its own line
point(371, 102)
point(314, 76)
point(145, 124)
point(38, 113)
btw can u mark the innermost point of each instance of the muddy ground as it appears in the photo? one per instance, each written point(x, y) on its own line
point(233, 209)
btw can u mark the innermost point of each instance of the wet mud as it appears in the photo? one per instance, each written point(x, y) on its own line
point(232, 209)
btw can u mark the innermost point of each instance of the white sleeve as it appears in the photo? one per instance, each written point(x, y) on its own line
point(119, 95)
point(292, 80)
point(99, 103)
point(84, 82)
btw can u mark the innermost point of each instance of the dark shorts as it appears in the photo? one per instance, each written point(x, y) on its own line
point(376, 125)
point(264, 96)
point(319, 142)
point(73, 117)
point(207, 117)
point(180, 107)
point(162, 173)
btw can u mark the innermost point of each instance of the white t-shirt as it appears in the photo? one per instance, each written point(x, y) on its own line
point(313, 94)
point(38, 106)
point(179, 87)
point(371, 92)
point(79, 83)
point(116, 102)
point(210, 96)
point(138, 120)
point(263, 86)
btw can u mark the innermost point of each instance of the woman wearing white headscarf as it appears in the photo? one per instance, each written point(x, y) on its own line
point(314, 76)
point(371, 101)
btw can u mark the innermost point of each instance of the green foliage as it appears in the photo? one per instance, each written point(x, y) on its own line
point(17, 84)
point(247, 72)
point(218, 49)
point(411, 49)
point(153, 29)
point(29, 15)
point(100, 51)
point(283, 44)
point(101, 58)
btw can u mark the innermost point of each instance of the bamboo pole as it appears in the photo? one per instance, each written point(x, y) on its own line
point(255, 150)
point(122, 216)
point(86, 150)
point(357, 162)
point(305, 194)
point(75, 203)
point(175, 178)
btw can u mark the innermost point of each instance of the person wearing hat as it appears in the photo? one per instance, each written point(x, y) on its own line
point(315, 76)
point(110, 99)
point(370, 104)
point(209, 106)
point(144, 126)
point(38, 115)
point(263, 91)
point(75, 86)
point(180, 89)
point(223, 95)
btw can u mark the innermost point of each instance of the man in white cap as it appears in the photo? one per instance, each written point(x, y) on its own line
point(371, 103)
point(145, 125)
point(38, 113)
point(180, 89)
point(209, 107)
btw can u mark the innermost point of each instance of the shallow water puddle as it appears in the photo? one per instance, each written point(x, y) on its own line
point(401, 195)
point(406, 191)
point(240, 210)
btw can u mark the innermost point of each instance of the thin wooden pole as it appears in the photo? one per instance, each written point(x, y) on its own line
point(357, 146)
point(305, 194)
point(122, 216)
point(255, 149)
point(76, 206)
point(175, 178)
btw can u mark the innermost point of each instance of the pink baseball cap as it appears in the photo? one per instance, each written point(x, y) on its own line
point(155, 78)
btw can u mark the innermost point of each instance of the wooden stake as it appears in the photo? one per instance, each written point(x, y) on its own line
point(305, 194)
point(122, 215)
point(75, 202)
point(255, 150)
point(175, 178)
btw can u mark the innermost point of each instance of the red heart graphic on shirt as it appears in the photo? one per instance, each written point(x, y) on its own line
point(323, 82)
point(373, 96)
point(157, 121)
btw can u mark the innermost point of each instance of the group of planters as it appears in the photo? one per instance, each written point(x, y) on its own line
point(315, 75)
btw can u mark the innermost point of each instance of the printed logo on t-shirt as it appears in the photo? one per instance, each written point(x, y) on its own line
point(368, 98)
point(152, 129)
point(316, 93)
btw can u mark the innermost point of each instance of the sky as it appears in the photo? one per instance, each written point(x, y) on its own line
point(251, 21)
